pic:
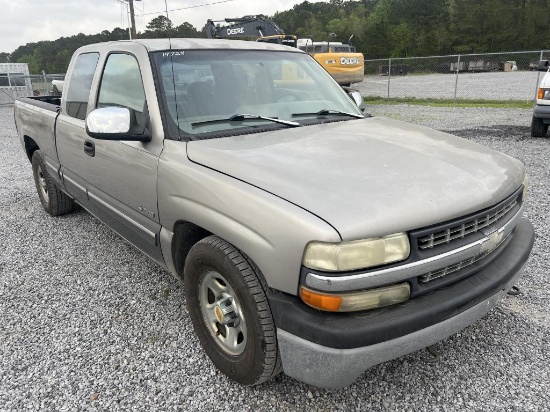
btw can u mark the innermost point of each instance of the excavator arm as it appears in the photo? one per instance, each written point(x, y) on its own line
point(247, 26)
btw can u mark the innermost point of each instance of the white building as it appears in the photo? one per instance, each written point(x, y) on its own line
point(14, 82)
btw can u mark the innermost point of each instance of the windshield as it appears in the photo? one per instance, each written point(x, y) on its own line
point(203, 90)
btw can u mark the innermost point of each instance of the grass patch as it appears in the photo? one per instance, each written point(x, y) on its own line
point(515, 104)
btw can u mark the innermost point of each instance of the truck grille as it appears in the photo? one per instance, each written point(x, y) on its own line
point(461, 230)
point(456, 267)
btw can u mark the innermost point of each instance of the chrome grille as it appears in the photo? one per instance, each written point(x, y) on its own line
point(472, 226)
point(457, 266)
point(450, 269)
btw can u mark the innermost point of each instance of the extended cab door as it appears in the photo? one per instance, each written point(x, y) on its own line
point(121, 175)
point(114, 180)
point(70, 132)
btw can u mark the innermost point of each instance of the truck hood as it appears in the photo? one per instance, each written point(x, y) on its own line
point(367, 177)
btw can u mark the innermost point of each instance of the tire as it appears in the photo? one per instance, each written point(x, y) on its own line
point(538, 128)
point(228, 306)
point(54, 201)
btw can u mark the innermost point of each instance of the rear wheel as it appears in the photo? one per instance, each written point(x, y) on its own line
point(538, 128)
point(53, 200)
point(227, 302)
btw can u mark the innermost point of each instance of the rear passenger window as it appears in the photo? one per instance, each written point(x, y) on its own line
point(121, 85)
point(80, 83)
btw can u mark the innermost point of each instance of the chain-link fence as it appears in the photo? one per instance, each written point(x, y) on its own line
point(492, 76)
point(13, 86)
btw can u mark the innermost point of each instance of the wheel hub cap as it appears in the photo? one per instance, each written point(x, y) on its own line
point(222, 313)
point(43, 187)
point(226, 312)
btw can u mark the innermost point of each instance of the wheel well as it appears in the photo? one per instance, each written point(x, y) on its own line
point(30, 147)
point(186, 234)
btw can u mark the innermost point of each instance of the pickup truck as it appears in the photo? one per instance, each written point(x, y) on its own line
point(311, 238)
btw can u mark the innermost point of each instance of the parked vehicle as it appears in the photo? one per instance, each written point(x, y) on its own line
point(311, 238)
point(541, 114)
point(57, 87)
point(474, 66)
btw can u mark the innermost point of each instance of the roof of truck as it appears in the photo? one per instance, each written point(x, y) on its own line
point(187, 44)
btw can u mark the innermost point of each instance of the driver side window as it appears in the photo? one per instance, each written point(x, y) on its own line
point(121, 84)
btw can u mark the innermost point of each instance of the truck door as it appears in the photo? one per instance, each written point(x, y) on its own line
point(122, 176)
point(70, 126)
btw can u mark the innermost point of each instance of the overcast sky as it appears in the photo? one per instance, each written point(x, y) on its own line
point(27, 21)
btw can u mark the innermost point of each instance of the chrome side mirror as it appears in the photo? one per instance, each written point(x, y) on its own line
point(357, 99)
point(115, 123)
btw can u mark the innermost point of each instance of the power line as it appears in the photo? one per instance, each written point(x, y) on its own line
point(185, 8)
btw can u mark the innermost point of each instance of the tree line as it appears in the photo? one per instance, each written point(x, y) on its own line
point(406, 28)
point(380, 29)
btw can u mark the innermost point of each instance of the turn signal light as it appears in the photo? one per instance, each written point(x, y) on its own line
point(352, 302)
point(321, 301)
point(540, 94)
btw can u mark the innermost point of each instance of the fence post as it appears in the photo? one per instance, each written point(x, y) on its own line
point(389, 76)
point(456, 78)
point(538, 77)
point(45, 87)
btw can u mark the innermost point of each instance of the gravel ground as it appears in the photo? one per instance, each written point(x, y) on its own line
point(519, 85)
point(89, 323)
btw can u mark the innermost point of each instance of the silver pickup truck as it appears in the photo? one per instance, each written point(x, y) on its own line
point(311, 238)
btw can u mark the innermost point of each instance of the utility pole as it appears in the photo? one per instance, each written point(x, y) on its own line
point(132, 20)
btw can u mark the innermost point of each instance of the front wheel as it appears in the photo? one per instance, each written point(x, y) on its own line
point(227, 303)
point(538, 128)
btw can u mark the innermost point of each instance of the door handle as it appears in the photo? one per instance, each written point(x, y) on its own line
point(89, 148)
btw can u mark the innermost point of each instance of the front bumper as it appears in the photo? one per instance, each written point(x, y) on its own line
point(332, 350)
point(542, 112)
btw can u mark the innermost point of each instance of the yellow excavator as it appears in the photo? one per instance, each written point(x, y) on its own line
point(342, 61)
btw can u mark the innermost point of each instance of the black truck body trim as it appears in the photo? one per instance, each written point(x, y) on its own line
point(50, 103)
point(359, 329)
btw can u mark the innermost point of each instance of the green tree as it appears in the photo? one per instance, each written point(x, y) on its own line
point(187, 30)
point(159, 27)
point(32, 61)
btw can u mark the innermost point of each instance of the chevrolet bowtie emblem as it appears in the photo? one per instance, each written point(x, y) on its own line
point(491, 242)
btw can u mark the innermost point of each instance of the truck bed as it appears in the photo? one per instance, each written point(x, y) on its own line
point(35, 118)
point(45, 102)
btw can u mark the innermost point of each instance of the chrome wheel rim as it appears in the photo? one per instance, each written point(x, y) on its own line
point(42, 185)
point(222, 313)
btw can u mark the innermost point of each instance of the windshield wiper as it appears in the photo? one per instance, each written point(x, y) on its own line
point(244, 117)
point(325, 112)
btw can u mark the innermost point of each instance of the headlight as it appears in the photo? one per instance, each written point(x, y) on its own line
point(357, 254)
point(543, 94)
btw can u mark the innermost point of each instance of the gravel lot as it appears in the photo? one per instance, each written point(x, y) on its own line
point(519, 85)
point(89, 323)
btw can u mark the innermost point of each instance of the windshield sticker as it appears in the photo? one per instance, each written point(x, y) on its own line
point(173, 53)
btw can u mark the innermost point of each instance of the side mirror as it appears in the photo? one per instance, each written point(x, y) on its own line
point(357, 99)
point(116, 123)
point(542, 66)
